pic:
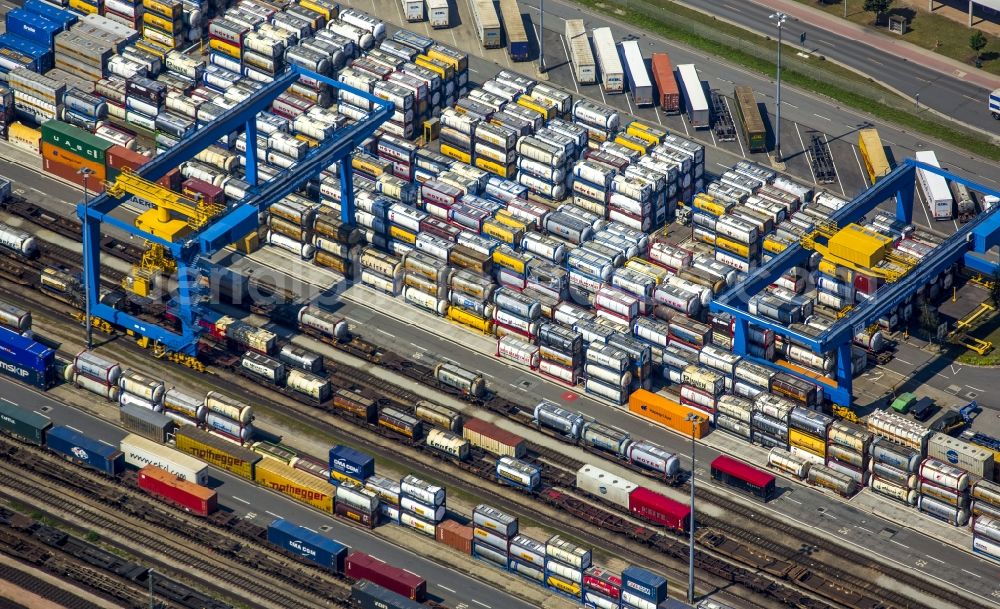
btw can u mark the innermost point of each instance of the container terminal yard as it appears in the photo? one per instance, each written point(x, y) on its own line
point(456, 333)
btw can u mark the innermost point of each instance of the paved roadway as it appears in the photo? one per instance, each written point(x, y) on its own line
point(955, 97)
point(244, 498)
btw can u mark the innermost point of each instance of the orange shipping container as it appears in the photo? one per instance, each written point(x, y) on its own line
point(73, 161)
point(69, 174)
point(454, 535)
point(666, 84)
point(665, 411)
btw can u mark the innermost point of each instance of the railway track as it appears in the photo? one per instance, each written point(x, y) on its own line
point(147, 528)
point(352, 377)
point(60, 596)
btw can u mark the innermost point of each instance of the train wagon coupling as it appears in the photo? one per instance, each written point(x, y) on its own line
point(212, 229)
point(966, 245)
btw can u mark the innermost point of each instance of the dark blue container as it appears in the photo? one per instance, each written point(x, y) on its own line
point(86, 451)
point(32, 26)
point(26, 360)
point(645, 584)
point(303, 542)
point(352, 463)
point(12, 59)
point(41, 53)
point(61, 16)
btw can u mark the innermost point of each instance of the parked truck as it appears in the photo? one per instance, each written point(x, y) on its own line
point(695, 102)
point(413, 10)
point(995, 104)
point(612, 73)
point(584, 66)
point(666, 84)
point(635, 70)
point(438, 13)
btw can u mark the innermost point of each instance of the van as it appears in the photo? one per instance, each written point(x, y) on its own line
point(904, 402)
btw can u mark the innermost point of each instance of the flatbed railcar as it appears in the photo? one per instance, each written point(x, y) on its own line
point(743, 477)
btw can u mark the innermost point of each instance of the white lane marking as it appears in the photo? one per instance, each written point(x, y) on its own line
point(864, 172)
point(822, 117)
point(272, 513)
point(445, 588)
point(901, 360)
point(488, 607)
point(307, 528)
point(376, 558)
point(410, 572)
point(806, 154)
point(830, 516)
point(241, 500)
point(975, 388)
point(738, 139)
point(74, 429)
point(864, 529)
point(384, 332)
point(8, 401)
point(972, 574)
point(829, 150)
point(795, 501)
point(419, 347)
point(572, 72)
point(898, 544)
point(791, 105)
point(934, 559)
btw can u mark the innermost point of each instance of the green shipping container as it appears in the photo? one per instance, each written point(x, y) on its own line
point(75, 140)
point(23, 424)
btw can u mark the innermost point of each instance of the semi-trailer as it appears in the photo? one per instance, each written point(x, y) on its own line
point(612, 73)
point(635, 71)
point(666, 84)
point(581, 55)
point(695, 103)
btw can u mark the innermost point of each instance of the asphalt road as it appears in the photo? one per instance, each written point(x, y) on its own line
point(245, 498)
point(950, 96)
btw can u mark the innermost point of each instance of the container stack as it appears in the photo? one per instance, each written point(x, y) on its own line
point(421, 504)
point(783, 460)
point(36, 98)
point(527, 558)
point(600, 122)
point(986, 499)
point(894, 470)
point(850, 445)
point(608, 372)
point(140, 391)
point(425, 280)
point(66, 150)
point(642, 588)
point(601, 588)
point(494, 149)
point(492, 534)
point(182, 408)
point(350, 466)
point(751, 379)
point(7, 114)
point(986, 536)
point(144, 101)
point(733, 414)
point(229, 417)
point(515, 314)
point(97, 375)
point(560, 351)
point(357, 503)
point(807, 433)
point(701, 387)
point(565, 563)
point(388, 492)
point(543, 161)
point(381, 271)
point(769, 421)
point(944, 492)
point(471, 295)
point(31, 33)
point(642, 358)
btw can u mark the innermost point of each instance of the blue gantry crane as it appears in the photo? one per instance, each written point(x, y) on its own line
point(966, 245)
point(238, 219)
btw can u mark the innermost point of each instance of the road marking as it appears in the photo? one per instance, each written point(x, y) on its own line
point(376, 558)
point(875, 61)
point(241, 500)
point(864, 172)
point(572, 72)
point(415, 345)
point(790, 105)
point(446, 588)
point(410, 572)
point(830, 516)
point(934, 559)
point(384, 332)
point(822, 117)
point(829, 149)
point(903, 361)
point(517, 386)
point(795, 501)
point(899, 544)
point(726, 167)
point(976, 389)
point(972, 574)
point(864, 529)
point(74, 429)
point(488, 607)
point(8, 401)
point(801, 141)
point(953, 370)
point(732, 8)
point(977, 100)
point(272, 513)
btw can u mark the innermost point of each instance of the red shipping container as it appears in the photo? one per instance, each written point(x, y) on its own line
point(666, 84)
point(362, 566)
point(437, 226)
point(172, 180)
point(170, 489)
point(345, 511)
point(209, 193)
point(604, 581)
point(94, 186)
point(120, 157)
point(865, 284)
point(659, 509)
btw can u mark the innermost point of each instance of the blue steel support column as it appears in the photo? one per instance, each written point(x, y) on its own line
point(904, 198)
point(186, 311)
point(91, 264)
point(346, 192)
point(845, 375)
point(740, 331)
point(251, 167)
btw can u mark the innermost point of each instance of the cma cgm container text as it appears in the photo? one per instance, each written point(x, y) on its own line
point(308, 544)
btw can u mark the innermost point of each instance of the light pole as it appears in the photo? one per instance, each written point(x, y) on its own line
point(780, 20)
point(694, 420)
point(541, 37)
point(86, 173)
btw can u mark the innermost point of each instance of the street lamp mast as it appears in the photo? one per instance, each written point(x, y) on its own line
point(694, 420)
point(780, 19)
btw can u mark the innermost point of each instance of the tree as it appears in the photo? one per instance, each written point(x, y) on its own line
point(878, 7)
point(929, 320)
point(977, 42)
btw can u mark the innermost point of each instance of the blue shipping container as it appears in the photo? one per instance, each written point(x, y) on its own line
point(353, 463)
point(32, 26)
point(40, 53)
point(26, 360)
point(644, 584)
point(52, 13)
point(12, 59)
point(86, 451)
point(303, 542)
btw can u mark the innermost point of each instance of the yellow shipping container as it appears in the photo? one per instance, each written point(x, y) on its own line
point(25, 137)
point(832, 269)
point(343, 478)
point(564, 586)
point(774, 245)
point(806, 442)
point(509, 260)
point(160, 23)
point(707, 204)
point(504, 171)
point(632, 142)
point(455, 153)
point(547, 112)
point(441, 68)
point(296, 484)
point(663, 410)
point(308, 140)
point(152, 47)
point(646, 132)
point(646, 267)
point(224, 47)
point(168, 10)
point(215, 451)
point(506, 234)
point(732, 247)
point(466, 318)
point(860, 246)
point(402, 234)
point(327, 10)
point(83, 7)
point(704, 237)
point(362, 165)
point(508, 219)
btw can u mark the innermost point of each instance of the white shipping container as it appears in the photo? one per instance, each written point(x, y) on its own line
point(140, 452)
